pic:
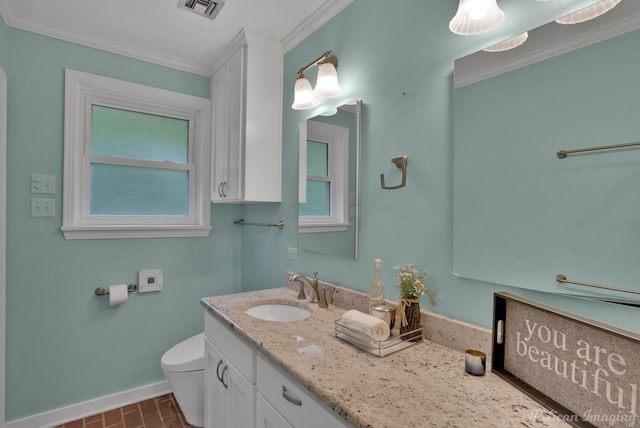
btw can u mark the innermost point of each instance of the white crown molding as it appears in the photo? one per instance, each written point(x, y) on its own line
point(320, 17)
point(246, 38)
point(617, 27)
point(46, 29)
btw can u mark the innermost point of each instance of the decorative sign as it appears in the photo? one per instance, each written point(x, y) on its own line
point(587, 372)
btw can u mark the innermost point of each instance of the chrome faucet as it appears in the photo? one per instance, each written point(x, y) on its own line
point(316, 296)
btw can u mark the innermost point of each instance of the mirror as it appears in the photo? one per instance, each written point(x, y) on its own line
point(522, 215)
point(329, 181)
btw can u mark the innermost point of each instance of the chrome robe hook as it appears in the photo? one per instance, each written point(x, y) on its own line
point(401, 163)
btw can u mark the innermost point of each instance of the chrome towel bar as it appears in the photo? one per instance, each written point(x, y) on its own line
point(279, 225)
point(101, 291)
point(563, 279)
point(563, 153)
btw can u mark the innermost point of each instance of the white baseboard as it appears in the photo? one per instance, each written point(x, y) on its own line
point(91, 407)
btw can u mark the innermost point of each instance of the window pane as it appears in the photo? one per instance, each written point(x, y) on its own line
point(317, 158)
point(134, 135)
point(318, 199)
point(129, 191)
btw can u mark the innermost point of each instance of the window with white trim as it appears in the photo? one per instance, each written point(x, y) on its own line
point(323, 202)
point(136, 160)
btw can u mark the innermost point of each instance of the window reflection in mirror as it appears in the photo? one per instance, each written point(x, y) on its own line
point(329, 182)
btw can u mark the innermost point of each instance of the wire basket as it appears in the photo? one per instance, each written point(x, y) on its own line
point(379, 348)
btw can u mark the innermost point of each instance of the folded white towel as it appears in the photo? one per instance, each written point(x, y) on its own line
point(373, 327)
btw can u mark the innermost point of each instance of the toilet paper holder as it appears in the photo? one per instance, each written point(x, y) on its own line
point(101, 291)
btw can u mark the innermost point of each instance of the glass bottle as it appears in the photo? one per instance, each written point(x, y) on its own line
point(376, 293)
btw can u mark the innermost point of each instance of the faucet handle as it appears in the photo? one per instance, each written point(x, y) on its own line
point(315, 274)
point(301, 295)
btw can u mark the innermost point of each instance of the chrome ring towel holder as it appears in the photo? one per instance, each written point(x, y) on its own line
point(101, 291)
point(401, 163)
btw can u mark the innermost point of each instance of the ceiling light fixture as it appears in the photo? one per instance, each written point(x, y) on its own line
point(327, 85)
point(589, 13)
point(476, 16)
point(508, 44)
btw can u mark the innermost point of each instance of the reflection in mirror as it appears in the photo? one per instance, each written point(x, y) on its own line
point(329, 182)
point(521, 215)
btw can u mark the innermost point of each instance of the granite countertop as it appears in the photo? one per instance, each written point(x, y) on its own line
point(424, 385)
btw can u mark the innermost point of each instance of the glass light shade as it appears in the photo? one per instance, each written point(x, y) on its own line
point(303, 97)
point(511, 43)
point(589, 13)
point(476, 16)
point(327, 85)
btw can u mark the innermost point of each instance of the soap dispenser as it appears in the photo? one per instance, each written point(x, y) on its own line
point(376, 292)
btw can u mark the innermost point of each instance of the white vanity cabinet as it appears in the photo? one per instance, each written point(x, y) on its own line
point(289, 401)
point(230, 378)
point(246, 92)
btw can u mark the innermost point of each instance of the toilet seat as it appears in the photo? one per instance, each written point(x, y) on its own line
point(186, 356)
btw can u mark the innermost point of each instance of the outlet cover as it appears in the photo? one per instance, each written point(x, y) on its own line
point(43, 207)
point(292, 253)
point(43, 183)
point(150, 280)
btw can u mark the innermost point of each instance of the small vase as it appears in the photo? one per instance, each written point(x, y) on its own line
point(414, 322)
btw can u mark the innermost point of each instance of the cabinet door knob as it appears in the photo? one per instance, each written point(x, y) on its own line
point(289, 398)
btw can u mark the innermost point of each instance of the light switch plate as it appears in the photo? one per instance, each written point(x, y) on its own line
point(43, 207)
point(41, 183)
point(150, 280)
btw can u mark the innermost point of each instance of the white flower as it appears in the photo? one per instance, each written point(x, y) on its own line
point(412, 284)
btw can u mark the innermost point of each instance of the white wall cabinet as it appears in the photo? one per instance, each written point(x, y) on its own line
point(246, 92)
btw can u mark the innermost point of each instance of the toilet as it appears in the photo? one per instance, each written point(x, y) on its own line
point(183, 366)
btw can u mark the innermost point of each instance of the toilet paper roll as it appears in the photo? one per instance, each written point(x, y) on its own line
point(118, 294)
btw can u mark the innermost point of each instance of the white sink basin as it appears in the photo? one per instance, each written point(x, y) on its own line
point(278, 312)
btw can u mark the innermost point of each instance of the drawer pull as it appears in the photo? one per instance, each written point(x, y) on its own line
point(289, 398)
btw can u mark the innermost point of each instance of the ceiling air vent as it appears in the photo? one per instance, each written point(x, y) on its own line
point(207, 8)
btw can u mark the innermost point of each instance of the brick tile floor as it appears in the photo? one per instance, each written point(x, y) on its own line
point(159, 412)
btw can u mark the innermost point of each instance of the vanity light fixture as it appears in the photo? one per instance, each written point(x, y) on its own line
point(326, 85)
point(589, 13)
point(511, 43)
point(476, 16)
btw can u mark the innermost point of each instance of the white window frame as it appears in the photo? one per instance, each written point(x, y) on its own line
point(337, 138)
point(82, 90)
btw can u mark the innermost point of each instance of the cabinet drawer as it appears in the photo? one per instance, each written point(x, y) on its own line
point(235, 349)
point(267, 416)
point(292, 401)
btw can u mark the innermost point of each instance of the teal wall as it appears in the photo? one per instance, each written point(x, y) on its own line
point(398, 58)
point(64, 344)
